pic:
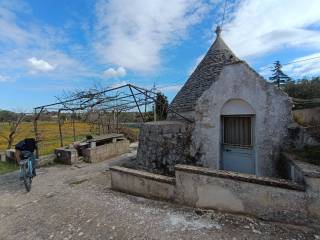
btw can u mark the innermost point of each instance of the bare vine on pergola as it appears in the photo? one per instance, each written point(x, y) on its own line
point(100, 105)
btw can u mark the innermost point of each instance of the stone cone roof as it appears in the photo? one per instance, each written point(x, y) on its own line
point(205, 74)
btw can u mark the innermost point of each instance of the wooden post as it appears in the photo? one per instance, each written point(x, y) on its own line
point(60, 131)
point(35, 128)
point(73, 126)
point(117, 120)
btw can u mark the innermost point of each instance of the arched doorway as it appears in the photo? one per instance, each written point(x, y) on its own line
point(237, 137)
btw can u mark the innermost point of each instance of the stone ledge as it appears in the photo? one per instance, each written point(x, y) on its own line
point(307, 169)
point(240, 177)
point(144, 174)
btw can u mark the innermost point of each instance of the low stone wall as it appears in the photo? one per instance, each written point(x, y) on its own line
point(309, 116)
point(266, 198)
point(261, 197)
point(304, 136)
point(142, 183)
point(10, 155)
point(308, 174)
point(105, 151)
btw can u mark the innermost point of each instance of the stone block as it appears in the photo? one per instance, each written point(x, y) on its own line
point(10, 155)
point(67, 156)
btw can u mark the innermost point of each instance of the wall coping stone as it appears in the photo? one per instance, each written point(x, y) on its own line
point(144, 174)
point(165, 122)
point(307, 169)
point(65, 149)
point(281, 183)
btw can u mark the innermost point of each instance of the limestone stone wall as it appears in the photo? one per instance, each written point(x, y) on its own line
point(163, 144)
point(103, 152)
point(272, 115)
point(309, 116)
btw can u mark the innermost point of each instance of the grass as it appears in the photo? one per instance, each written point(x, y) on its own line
point(310, 154)
point(6, 167)
point(49, 134)
point(50, 138)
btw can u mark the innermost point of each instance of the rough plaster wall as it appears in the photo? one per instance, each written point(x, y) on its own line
point(273, 114)
point(267, 202)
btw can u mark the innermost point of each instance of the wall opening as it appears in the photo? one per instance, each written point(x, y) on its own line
point(237, 137)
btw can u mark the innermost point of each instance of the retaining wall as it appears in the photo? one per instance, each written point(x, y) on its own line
point(142, 183)
point(266, 198)
point(261, 197)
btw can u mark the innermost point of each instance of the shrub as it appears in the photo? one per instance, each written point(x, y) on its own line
point(132, 134)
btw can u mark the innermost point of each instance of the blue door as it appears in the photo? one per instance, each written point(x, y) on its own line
point(237, 147)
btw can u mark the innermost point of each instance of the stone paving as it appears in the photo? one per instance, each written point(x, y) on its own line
point(76, 202)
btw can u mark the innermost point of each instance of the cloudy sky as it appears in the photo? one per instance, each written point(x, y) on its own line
point(47, 47)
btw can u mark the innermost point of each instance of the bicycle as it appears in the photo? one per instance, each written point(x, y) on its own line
point(26, 173)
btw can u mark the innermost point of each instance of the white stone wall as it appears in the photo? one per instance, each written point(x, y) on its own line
point(273, 114)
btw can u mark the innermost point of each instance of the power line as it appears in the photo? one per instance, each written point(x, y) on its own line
point(224, 12)
point(303, 60)
point(289, 63)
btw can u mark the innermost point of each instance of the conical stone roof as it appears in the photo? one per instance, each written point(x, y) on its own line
point(205, 74)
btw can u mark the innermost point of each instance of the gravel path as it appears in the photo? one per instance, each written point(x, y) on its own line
point(77, 203)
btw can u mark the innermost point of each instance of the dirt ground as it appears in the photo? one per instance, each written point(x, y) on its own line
point(76, 202)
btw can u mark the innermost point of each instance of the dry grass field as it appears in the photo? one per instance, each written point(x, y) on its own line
point(50, 138)
point(49, 134)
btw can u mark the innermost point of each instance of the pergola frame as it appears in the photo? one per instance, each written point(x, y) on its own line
point(112, 99)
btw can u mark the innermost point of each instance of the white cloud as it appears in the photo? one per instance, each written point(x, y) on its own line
point(40, 65)
point(133, 33)
point(118, 84)
point(113, 73)
point(170, 88)
point(19, 39)
point(4, 78)
point(304, 68)
point(259, 27)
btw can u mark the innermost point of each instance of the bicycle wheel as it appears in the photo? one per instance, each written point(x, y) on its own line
point(26, 179)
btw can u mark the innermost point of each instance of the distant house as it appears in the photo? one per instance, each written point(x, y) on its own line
point(239, 120)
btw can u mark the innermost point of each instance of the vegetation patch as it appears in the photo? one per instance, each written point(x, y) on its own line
point(6, 167)
point(132, 134)
point(310, 154)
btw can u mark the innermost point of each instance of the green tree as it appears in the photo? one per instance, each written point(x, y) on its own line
point(278, 77)
point(161, 106)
